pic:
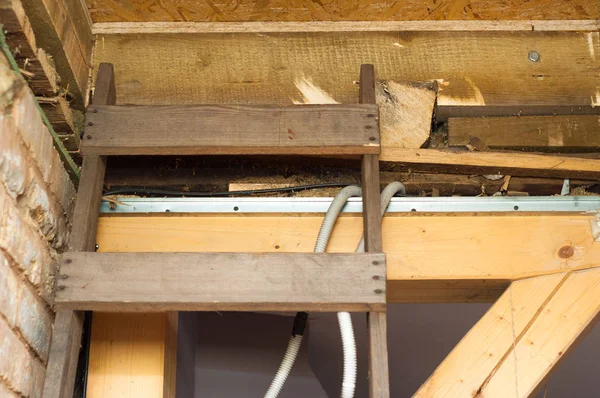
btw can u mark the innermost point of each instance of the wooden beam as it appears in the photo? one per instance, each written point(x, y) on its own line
point(111, 28)
point(472, 68)
point(66, 337)
point(468, 266)
point(62, 28)
point(221, 282)
point(128, 354)
point(511, 163)
point(379, 379)
point(568, 314)
point(533, 133)
point(521, 338)
point(336, 10)
point(227, 130)
point(39, 72)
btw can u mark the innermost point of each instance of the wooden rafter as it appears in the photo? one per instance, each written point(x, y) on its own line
point(513, 348)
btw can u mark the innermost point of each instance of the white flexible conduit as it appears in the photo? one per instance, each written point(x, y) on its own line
point(286, 367)
point(344, 319)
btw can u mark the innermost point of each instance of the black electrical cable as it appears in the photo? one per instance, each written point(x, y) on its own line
point(161, 192)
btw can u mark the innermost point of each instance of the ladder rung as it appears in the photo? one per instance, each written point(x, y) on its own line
point(221, 281)
point(331, 129)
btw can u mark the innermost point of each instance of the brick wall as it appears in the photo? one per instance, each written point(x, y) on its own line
point(36, 200)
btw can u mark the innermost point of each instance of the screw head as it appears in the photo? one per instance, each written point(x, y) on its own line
point(534, 56)
point(90, 123)
point(372, 138)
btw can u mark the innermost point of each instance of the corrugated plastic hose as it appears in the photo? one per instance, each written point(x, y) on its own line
point(344, 319)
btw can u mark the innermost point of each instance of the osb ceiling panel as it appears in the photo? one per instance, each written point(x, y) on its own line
point(338, 10)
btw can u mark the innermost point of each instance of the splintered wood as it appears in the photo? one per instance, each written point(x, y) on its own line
point(405, 112)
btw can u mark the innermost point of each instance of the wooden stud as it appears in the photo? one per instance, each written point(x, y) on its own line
point(231, 130)
point(128, 355)
point(171, 341)
point(376, 321)
point(66, 338)
point(230, 282)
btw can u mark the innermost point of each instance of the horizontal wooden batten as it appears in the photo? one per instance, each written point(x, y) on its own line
point(341, 26)
point(501, 163)
point(541, 133)
point(232, 130)
point(221, 281)
point(438, 258)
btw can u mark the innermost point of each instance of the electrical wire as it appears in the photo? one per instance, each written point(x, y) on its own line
point(160, 192)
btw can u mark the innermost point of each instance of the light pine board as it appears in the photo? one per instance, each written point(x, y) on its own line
point(473, 263)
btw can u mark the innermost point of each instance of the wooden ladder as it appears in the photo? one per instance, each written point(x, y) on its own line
point(90, 281)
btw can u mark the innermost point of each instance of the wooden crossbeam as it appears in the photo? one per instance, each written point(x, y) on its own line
point(221, 282)
point(512, 349)
point(474, 260)
point(232, 130)
point(472, 68)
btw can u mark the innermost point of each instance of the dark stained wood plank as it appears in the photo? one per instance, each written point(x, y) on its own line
point(533, 133)
point(66, 338)
point(220, 130)
point(379, 383)
point(488, 163)
point(64, 351)
point(221, 282)
point(445, 112)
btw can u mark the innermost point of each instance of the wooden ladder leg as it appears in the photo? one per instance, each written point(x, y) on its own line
point(376, 321)
point(66, 337)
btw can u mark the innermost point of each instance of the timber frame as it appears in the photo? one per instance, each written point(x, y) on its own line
point(476, 61)
point(564, 277)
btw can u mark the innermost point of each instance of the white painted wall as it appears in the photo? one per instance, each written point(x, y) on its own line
point(237, 354)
